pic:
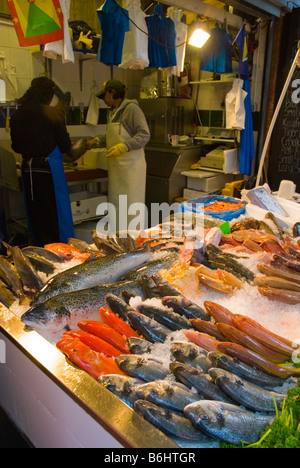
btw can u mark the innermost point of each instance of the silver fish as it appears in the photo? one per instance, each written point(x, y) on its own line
point(122, 386)
point(82, 246)
point(226, 421)
point(152, 267)
point(166, 317)
point(142, 367)
point(185, 307)
point(45, 253)
point(191, 354)
point(149, 287)
point(102, 270)
point(10, 277)
point(139, 345)
point(64, 311)
point(171, 395)
point(117, 305)
point(239, 368)
point(165, 288)
point(7, 298)
point(148, 328)
point(195, 378)
point(40, 263)
point(168, 422)
point(244, 393)
point(27, 272)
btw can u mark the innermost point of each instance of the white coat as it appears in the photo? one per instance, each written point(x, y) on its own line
point(63, 47)
point(235, 107)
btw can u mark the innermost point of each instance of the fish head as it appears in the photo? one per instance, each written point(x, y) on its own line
point(202, 414)
point(42, 317)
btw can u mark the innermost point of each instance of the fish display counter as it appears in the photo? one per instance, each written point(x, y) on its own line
point(59, 406)
point(180, 336)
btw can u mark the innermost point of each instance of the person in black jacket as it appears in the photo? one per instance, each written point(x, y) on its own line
point(39, 133)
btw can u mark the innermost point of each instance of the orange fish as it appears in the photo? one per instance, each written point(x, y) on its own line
point(67, 252)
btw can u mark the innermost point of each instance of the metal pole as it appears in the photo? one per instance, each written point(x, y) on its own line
point(283, 93)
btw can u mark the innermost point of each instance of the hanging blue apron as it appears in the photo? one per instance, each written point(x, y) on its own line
point(63, 206)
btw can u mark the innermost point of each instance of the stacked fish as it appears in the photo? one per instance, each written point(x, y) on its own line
point(220, 379)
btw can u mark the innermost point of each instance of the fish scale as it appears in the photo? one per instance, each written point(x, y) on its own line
point(102, 270)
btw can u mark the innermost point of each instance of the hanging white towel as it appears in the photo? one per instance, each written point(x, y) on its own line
point(235, 107)
point(181, 37)
point(8, 74)
point(63, 47)
point(135, 47)
point(92, 115)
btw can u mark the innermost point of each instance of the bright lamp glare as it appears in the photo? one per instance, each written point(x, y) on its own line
point(198, 38)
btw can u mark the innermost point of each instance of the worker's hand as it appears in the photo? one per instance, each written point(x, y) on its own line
point(90, 144)
point(117, 150)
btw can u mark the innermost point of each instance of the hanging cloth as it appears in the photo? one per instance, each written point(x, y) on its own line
point(247, 148)
point(64, 46)
point(114, 23)
point(216, 52)
point(235, 106)
point(9, 75)
point(135, 48)
point(92, 115)
point(162, 40)
point(181, 30)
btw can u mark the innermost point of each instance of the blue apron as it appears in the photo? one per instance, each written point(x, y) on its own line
point(64, 213)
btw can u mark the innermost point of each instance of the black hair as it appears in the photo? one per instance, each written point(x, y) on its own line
point(41, 91)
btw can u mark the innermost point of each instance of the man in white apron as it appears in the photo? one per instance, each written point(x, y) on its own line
point(126, 136)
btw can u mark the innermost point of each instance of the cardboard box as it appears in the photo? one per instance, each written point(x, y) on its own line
point(84, 205)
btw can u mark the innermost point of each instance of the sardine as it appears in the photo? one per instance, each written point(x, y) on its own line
point(191, 354)
point(243, 370)
point(246, 394)
point(168, 422)
point(184, 306)
point(29, 277)
point(139, 345)
point(165, 316)
point(45, 253)
point(117, 305)
point(152, 267)
point(82, 246)
point(148, 328)
point(165, 288)
point(40, 263)
point(122, 386)
point(226, 421)
point(145, 368)
point(171, 395)
point(10, 277)
point(195, 378)
point(64, 311)
point(7, 298)
point(149, 287)
point(102, 270)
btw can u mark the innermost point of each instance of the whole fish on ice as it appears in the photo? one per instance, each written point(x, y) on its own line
point(246, 394)
point(226, 421)
point(64, 311)
point(102, 270)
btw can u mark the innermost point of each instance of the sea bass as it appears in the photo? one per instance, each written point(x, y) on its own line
point(64, 311)
point(226, 421)
point(122, 386)
point(102, 270)
point(168, 421)
point(171, 395)
point(246, 394)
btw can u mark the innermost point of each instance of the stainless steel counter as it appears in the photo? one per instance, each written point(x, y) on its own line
point(58, 405)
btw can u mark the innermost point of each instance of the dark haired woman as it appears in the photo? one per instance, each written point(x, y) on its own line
point(127, 133)
point(39, 133)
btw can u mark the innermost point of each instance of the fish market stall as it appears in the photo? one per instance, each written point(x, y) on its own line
point(151, 347)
